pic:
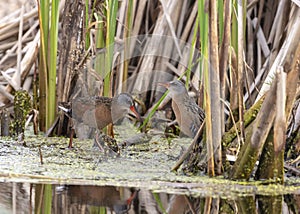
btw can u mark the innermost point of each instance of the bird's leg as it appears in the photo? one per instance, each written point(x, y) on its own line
point(72, 132)
point(189, 149)
point(110, 130)
point(97, 141)
point(174, 122)
point(103, 141)
point(111, 143)
point(71, 138)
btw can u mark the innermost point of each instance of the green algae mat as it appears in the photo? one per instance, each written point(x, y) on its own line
point(146, 165)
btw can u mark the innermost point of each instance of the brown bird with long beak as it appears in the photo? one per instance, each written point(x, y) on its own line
point(98, 112)
point(188, 114)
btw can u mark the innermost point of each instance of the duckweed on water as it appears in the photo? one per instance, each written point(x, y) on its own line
point(145, 165)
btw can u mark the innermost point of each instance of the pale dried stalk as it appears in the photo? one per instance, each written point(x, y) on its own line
point(26, 64)
point(289, 46)
point(214, 80)
point(277, 27)
point(6, 27)
point(4, 95)
point(280, 121)
point(190, 22)
point(170, 24)
point(240, 66)
point(14, 45)
point(250, 42)
point(19, 52)
point(261, 38)
point(137, 23)
point(153, 48)
point(10, 17)
point(121, 19)
point(224, 53)
point(264, 120)
point(12, 32)
point(168, 52)
point(13, 29)
point(181, 19)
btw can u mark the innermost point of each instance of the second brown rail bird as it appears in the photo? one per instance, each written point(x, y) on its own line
point(98, 112)
point(188, 114)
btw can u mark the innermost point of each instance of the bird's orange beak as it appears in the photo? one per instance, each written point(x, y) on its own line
point(164, 84)
point(138, 116)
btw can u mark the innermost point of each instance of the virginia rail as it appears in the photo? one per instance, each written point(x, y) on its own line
point(188, 114)
point(98, 112)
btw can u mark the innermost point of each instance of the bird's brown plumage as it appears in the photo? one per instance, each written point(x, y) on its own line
point(188, 114)
point(98, 112)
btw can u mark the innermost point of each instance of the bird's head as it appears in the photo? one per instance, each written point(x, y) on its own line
point(122, 104)
point(175, 87)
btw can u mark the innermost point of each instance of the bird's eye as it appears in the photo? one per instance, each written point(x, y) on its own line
point(129, 102)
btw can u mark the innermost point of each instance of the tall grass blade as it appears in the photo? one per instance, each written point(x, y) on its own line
point(127, 33)
point(100, 44)
point(111, 13)
point(204, 68)
point(51, 96)
point(44, 29)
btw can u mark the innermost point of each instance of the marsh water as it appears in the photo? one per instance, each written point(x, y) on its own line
point(41, 175)
point(55, 198)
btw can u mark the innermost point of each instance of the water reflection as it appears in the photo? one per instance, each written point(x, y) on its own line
point(50, 198)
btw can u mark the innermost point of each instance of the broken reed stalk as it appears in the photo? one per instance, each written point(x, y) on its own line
point(249, 116)
point(271, 160)
point(256, 136)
